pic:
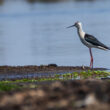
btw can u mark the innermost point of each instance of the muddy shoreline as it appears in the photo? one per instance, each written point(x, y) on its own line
point(51, 68)
point(86, 94)
point(33, 71)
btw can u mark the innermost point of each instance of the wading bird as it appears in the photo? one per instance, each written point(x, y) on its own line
point(89, 40)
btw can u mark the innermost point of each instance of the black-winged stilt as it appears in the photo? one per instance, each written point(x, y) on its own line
point(89, 40)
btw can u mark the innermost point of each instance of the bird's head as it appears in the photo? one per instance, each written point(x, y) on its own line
point(76, 24)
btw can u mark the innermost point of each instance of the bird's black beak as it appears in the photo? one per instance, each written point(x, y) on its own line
point(71, 26)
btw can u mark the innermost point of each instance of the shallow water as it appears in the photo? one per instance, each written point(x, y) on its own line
point(30, 75)
point(35, 34)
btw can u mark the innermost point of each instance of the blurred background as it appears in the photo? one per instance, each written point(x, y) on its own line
point(33, 32)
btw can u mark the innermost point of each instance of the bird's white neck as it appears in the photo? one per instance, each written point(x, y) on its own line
point(80, 31)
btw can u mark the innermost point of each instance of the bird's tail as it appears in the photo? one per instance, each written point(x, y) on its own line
point(104, 47)
point(107, 48)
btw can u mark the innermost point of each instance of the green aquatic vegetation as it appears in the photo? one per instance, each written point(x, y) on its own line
point(93, 74)
point(67, 76)
point(75, 75)
point(101, 74)
point(86, 74)
point(57, 75)
point(8, 85)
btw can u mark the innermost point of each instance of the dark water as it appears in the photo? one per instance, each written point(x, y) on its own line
point(35, 34)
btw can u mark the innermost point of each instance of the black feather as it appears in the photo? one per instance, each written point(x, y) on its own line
point(91, 39)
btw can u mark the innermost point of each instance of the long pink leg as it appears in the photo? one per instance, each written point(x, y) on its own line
point(91, 63)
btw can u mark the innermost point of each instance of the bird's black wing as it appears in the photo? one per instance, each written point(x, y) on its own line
point(91, 39)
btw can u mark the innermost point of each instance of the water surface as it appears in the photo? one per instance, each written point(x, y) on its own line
point(35, 33)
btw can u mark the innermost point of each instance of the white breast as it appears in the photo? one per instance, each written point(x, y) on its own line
point(81, 34)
